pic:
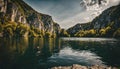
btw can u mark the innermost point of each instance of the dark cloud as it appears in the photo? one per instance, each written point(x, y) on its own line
point(58, 9)
point(68, 12)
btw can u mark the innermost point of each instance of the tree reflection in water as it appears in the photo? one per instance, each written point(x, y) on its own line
point(38, 53)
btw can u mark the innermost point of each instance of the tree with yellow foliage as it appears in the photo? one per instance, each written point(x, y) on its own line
point(117, 33)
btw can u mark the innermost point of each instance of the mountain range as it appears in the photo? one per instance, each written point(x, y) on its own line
point(19, 19)
point(107, 24)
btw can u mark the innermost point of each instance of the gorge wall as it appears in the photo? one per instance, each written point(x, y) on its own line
point(18, 11)
point(106, 24)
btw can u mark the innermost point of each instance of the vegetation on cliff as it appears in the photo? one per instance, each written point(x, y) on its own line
point(13, 29)
point(106, 24)
point(19, 19)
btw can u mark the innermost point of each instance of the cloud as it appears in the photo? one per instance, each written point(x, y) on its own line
point(70, 12)
point(89, 14)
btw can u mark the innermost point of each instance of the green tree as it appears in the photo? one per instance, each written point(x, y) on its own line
point(90, 33)
point(86, 33)
point(35, 32)
point(1, 28)
point(21, 29)
point(106, 32)
point(117, 33)
point(32, 33)
point(80, 34)
point(9, 28)
point(8, 32)
point(102, 32)
point(48, 34)
point(54, 35)
point(63, 33)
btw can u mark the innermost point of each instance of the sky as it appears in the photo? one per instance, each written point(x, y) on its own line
point(67, 13)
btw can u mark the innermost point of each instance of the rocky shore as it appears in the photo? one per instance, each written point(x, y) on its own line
point(76, 66)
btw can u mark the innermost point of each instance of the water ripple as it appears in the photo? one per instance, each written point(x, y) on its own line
point(68, 55)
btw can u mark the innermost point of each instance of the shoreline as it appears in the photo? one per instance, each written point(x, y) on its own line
point(77, 66)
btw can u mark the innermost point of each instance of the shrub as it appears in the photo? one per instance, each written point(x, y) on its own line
point(63, 33)
point(48, 34)
point(80, 34)
point(9, 28)
point(32, 33)
point(42, 32)
point(117, 33)
point(12, 25)
point(21, 29)
point(8, 32)
point(102, 32)
point(53, 35)
point(106, 31)
point(1, 28)
point(86, 33)
point(90, 33)
point(36, 32)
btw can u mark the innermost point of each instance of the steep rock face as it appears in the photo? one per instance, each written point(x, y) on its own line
point(11, 12)
point(107, 23)
point(110, 17)
point(48, 23)
point(57, 29)
point(3, 6)
point(73, 30)
point(19, 11)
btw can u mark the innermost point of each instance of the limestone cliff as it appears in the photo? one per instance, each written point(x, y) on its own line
point(19, 11)
point(106, 24)
point(73, 30)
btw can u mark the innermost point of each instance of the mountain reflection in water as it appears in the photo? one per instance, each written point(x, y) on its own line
point(70, 56)
point(39, 53)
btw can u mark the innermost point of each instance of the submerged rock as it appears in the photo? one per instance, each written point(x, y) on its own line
point(76, 66)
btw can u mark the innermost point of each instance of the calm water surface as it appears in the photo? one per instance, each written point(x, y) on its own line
point(39, 53)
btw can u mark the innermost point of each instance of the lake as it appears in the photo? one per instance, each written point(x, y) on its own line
point(39, 53)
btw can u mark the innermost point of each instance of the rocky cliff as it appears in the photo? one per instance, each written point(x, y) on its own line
point(80, 26)
point(106, 24)
point(18, 11)
point(109, 17)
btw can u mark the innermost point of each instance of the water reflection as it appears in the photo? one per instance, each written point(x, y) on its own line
point(10, 50)
point(39, 53)
point(89, 39)
point(68, 56)
point(108, 49)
